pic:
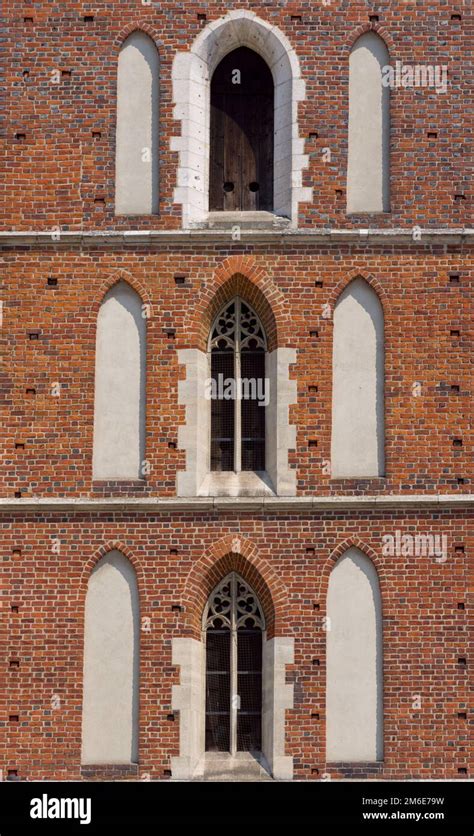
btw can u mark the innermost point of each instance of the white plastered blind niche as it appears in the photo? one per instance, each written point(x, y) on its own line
point(119, 404)
point(137, 135)
point(368, 165)
point(354, 696)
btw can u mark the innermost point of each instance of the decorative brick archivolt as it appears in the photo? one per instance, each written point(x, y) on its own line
point(110, 281)
point(241, 276)
point(102, 551)
point(342, 548)
point(140, 26)
point(374, 282)
point(370, 26)
point(234, 553)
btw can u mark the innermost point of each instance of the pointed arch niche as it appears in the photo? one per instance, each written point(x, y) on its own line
point(354, 668)
point(137, 133)
point(368, 164)
point(119, 397)
point(211, 677)
point(357, 438)
point(111, 663)
point(192, 74)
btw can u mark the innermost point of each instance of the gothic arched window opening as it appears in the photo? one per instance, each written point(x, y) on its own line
point(233, 625)
point(239, 395)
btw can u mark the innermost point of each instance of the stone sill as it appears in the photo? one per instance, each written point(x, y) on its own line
point(244, 484)
point(269, 504)
point(321, 235)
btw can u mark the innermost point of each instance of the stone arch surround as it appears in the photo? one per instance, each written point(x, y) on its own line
point(192, 73)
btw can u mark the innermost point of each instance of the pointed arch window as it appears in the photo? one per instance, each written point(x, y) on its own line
point(233, 625)
point(237, 347)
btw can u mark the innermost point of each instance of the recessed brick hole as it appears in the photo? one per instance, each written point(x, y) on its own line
point(14, 608)
point(315, 715)
point(99, 201)
point(173, 551)
point(460, 480)
point(316, 606)
point(172, 445)
point(432, 134)
point(314, 771)
point(316, 662)
point(312, 389)
point(296, 18)
point(33, 335)
point(14, 663)
point(96, 134)
point(170, 332)
point(314, 334)
point(374, 18)
point(28, 20)
point(455, 332)
point(20, 137)
point(19, 445)
point(457, 442)
point(12, 774)
point(66, 74)
point(461, 605)
point(454, 278)
point(52, 281)
point(170, 718)
point(180, 278)
point(88, 18)
point(462, 661)
point(459, 196)
point(26, 73)
point(456, 17)
point(459, 549)
point(455, 387)
point(17, 494)
point(339, 192)
point(313, 135)
point(201, 16)
point(176, 608)
point(310, 550)
point(16, 552)
point(462, 715)
point(312, 442)
point(167, 773)
point(462, 770)
point(31, 392)
point(318, 283)
point(14, 718)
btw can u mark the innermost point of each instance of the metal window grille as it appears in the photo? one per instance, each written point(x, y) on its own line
point(237, 347)
point(233, 623)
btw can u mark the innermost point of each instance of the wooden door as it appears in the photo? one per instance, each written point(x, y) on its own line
point(241, 153)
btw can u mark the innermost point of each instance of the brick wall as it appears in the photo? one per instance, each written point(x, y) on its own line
point(421, 306)
point(425, 631)
point(62, 171)
point(59, 150)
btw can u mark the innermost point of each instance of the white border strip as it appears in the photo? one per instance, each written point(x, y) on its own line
point(58, 238)
point(257, 503)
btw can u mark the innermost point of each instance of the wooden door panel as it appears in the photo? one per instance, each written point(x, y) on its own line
point(241, 165)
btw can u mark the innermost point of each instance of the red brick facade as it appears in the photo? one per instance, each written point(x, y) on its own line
point(59, 149)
